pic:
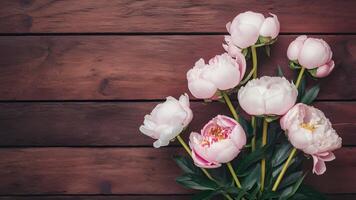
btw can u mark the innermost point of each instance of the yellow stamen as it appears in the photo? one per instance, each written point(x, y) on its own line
point(308, 126)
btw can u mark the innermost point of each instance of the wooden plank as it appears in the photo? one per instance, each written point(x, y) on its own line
point(27, 16)
point(116, 124)
point(67, 171)
point(136, 67)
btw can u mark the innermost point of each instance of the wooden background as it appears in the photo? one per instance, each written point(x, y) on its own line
point(77, 77)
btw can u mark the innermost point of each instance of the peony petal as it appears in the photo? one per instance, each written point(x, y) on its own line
point(222, 152)
point(184, 101)
point(300, 138)
point(325, 70)
point(295, 47)
point(201, 162)
point(202, 89)
point(245, 35)
point(251, 100)
point(327, 156)
point(238, 136)
point(248, 18)
point(270, 27)
point(228, 25)
point(241, 61)
point(314, 53)
point(319, 166)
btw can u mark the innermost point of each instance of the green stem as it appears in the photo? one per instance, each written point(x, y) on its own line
point(253, 120)
point(294, 151)
point(229, 104)
point(299, 77)
point(253, 72)
point(233, 174)
point(263, 162)
point(284, 169)
point(248, 77)
point(254, 61)
point(185, 146)
point(253, 141)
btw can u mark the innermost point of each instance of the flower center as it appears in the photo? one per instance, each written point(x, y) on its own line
point(309, 126)
point(215, 134)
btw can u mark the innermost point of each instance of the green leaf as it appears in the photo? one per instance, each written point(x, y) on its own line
point(306, 193)
point(241, 195)
point(278, 169)
point(290, 179)
point(313, 72)
point(301, 88)
point(310, 95)
point(252, 178)
point(297, 184)
point(286, 193)
point(197, 182)
point(245, 51)
point(294, 65)
point(186, 164)
point(204, 195)
point(246, 125)
point(253, 193)
point(271, 118)
point(251, 158)
point(281, 154)
point(280, 71)
point(290, 191)
point(268, 50)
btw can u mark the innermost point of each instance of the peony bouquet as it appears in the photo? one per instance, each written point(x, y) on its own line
point(258, 151)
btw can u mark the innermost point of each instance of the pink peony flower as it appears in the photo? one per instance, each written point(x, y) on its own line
point(312, 53)
point(220, 141)
point(167, 120)
point(267, 96)
point(310, 131)
point(222, 72)
point(246, 28)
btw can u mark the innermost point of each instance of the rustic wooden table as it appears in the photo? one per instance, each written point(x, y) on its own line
point(77, 77)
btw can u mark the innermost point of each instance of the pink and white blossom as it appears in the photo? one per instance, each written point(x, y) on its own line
point(247, 27)
point(267, 96)
point(312, 53)
point(167, 120)
point(220, 141)
point(221, 73)
point(310, 131)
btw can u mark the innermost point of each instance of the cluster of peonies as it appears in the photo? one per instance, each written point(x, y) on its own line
point(222, 138)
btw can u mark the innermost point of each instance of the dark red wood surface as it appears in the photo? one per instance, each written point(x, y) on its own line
point(116, 124)
point(136, 67)
point(123, 170)
point(45, 16)
point(77, 77)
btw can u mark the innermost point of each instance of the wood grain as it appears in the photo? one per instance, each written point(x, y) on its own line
point(124, 171)
point(116, 124)
point(136, 67)
point(44, 16)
